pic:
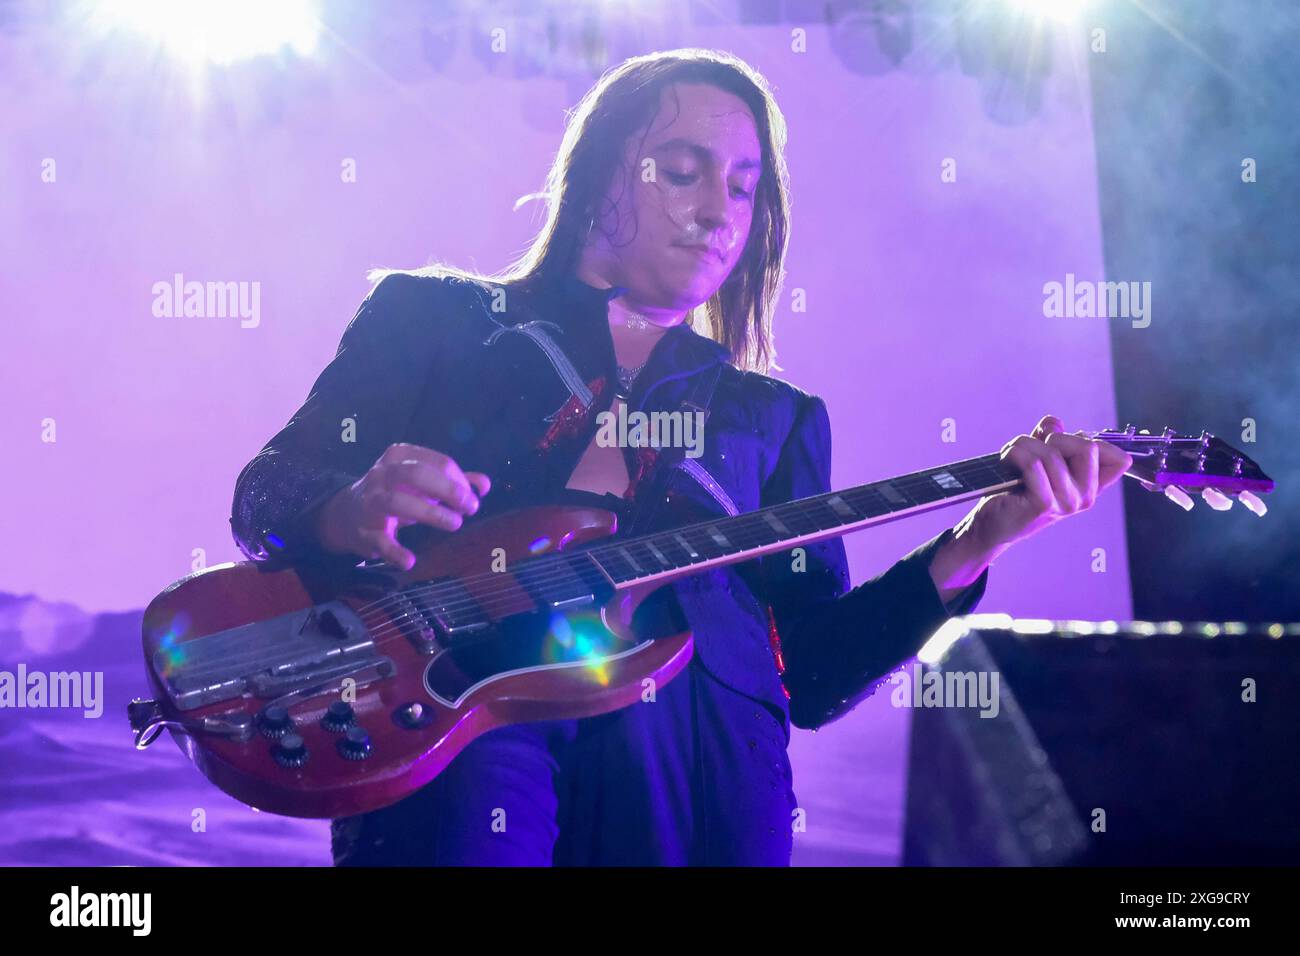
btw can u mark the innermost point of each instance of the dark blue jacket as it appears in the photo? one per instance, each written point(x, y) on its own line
point(466, 369)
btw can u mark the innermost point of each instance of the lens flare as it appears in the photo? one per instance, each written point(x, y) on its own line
point(174, 653)
point(581, 638)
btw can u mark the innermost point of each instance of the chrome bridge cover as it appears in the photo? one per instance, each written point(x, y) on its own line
point(266, 658)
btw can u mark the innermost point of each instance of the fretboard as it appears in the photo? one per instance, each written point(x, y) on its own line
point(675, 552)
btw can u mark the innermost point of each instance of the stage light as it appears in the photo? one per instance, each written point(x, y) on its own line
point(1063, 11)
point(218, 31)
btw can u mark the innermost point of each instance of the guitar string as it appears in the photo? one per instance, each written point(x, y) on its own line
point(917, 483)
point(747, 536)
point(392, 628)
point(563, 572)
point(394, 624)
point(511, 594)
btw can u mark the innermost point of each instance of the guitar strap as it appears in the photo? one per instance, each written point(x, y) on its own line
point(651, 492)
point(650, 498)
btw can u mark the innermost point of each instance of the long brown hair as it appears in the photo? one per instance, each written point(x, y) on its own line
point(621, 104)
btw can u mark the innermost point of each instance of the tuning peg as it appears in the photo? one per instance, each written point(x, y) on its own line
point(1179, 497)
point(1216, 499)
point(1252, 503)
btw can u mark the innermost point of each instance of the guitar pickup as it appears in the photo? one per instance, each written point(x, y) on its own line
point(431, 628)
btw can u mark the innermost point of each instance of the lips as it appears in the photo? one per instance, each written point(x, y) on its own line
point(703, 249)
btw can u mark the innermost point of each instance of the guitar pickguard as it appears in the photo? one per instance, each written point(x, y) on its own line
point(576, 641)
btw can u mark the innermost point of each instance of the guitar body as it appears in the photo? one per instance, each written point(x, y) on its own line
point(310, 697)
point(317, 693)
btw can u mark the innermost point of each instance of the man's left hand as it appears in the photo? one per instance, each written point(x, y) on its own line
point(1061, 475)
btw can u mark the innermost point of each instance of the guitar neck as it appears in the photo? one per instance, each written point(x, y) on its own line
point(665, 555)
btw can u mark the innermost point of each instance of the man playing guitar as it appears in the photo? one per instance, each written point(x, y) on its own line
point(456, 396)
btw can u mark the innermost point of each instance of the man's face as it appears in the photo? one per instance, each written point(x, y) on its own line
point(684, 201)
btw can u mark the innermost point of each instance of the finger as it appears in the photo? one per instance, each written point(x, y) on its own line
point(444, 483)
point(482, 484)
point(1065, 495)
point(383, 545)
point(1047, 425)
point(1115, 461)
point(1038, 488)
point(1083, 458)
point(405, 451)
point(414, 509)
point(1068, 497)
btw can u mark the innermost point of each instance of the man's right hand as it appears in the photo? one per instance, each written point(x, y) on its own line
point(407, 485)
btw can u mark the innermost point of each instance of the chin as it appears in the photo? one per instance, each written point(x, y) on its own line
point(681, 288)
point(695, 291)
point(689, 299)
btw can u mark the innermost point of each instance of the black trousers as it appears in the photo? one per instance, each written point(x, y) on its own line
point(699, 776)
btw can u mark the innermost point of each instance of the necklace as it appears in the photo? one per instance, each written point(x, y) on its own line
point(631, 320)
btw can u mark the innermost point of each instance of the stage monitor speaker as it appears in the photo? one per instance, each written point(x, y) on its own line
point(1108, 744)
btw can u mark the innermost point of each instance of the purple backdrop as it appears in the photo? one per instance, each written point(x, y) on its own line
point(923, 305)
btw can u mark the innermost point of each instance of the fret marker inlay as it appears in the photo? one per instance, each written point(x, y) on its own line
point(890, 493)
point(841, 507)
point(686, 544)
point(762, 531)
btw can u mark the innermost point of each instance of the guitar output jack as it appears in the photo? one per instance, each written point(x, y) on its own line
point(413, 716)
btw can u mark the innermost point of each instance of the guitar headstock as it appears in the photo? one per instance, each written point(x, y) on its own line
point(1181, 465)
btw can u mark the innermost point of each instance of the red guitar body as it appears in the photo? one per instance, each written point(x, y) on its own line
point(322, 694)
point(324, 700)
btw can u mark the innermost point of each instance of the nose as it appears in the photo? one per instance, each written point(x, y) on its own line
point(715, 210)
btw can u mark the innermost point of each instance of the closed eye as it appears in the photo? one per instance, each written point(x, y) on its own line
point(685, 179)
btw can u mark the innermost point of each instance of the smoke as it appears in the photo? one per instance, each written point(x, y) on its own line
point(1197, 132)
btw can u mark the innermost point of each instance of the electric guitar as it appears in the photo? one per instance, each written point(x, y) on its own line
point(314, 698)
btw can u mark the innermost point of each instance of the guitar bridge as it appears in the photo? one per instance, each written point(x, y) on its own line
point(265, 658)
